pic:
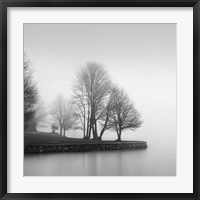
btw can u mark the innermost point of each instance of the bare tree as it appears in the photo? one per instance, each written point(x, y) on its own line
point(69, 117)
point(57, 111)
point(31, 94)
point(124, 114)
point(91, 89)
point(63, 113)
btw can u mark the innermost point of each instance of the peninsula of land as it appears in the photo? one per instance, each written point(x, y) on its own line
point(41, 142)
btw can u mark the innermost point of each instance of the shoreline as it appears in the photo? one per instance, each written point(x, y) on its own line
point(85, 147)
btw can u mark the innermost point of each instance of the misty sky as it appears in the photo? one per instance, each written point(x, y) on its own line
point(139, 57)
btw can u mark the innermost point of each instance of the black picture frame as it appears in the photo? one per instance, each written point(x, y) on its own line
point(99, 3)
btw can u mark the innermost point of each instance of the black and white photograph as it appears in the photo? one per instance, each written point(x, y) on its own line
point(100, 99)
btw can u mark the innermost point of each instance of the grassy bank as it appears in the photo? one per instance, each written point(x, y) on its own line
point(47, 142)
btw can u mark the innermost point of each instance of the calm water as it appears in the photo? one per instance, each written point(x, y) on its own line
point(148, 162)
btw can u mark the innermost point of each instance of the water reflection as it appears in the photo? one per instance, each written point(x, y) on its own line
point(149, 162)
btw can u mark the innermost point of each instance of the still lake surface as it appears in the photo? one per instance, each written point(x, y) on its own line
point(153, 161)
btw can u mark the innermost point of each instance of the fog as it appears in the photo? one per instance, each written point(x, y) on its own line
point(141, 58)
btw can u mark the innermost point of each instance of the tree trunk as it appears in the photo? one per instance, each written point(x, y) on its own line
point(92, 127)
point(95, 128)
point(101, 133)
point(84, 136)
point(119, 135)
point(94, 131)
point(103, 129)
point(89, 131)
point(84, 123)
point(88, 124)
point(98, 137)
point(60, 130)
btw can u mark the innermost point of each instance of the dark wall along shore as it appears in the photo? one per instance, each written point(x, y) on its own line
point(83, 147)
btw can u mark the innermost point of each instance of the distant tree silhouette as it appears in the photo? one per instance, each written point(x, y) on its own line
point(61, 111)
point(57, 111)
point(69, 117)
point(54, 128)
point(31, 94)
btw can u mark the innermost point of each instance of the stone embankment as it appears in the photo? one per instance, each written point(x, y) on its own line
point(81, 147)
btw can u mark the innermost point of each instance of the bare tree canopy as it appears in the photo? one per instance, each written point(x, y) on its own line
point(91, 89)
point(31, 94)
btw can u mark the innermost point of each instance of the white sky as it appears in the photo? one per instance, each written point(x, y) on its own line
point(139, 57)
